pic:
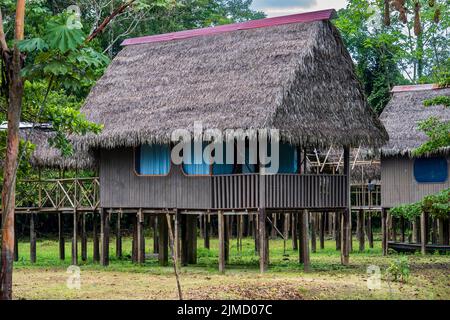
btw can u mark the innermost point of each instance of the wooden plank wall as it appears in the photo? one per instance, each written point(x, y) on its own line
point(398, 185)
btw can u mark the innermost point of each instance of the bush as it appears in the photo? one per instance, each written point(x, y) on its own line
point(399, 270)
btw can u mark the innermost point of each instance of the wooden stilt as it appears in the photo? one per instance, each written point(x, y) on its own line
point(304, 240)
point(221, 222)
point(434, 226)
point(423, 233)
point(155, 234)
point(337, 230)
point(445, 231)
point(350, 231)
point(345, 237)
point(402, 229)
point(191, 237)
point(184, 241)
point(263, 261)
point(301, 237)
point(416, 230)
point(384, 232)
point(361, 231)
point(75, 239)
point(313, 217)
point(163, 251)
point(322, 219)
point(207, 220)
point(369, 229)
point(32, 238)
point(104, 235)
point(294, 231)
point(256, 233)
point(83, 238)
point(134, 241)
point(140, 238)
point(178, 237)
point(62, 245)
point(96, 249)
point(119, 235)
point(273, 231)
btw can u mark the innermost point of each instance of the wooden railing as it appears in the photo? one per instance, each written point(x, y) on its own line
point(76, 193)
point(282, 191)
point(366, 196)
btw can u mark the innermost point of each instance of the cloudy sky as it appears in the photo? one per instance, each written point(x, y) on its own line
point(275, 8)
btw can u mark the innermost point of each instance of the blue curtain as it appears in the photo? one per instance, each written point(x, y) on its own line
point(153, 159)
point(196, 169)
point(288, 159)
point(431, 170)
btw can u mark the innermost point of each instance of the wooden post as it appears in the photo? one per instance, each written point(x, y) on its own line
point(140, 238)
point(207, 223)
point(134, 240)
point(361, 231)
point(32, 238)
point(177, 236)
point(434, 227)
point(423, 233)
point(16, 242)
point(75, 238)
point(337, 230)
point(221, 222)
point(119, 235)
point(313, 232)
point(304, 240)
point(345, 237)
point(369, 229)
point(163, 253)
point(384, 232)
point(104, 235)
point(226, 226)
point(322, 219)
point(155, 234)
point(191, 239)
point(62, 251)
point(294, 223)
point(83, 238)
point(263, 261)
point(416, 230)
point(445, 231)
point(96, 249)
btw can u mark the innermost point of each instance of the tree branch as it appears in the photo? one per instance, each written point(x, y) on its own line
point(20, 20)
point(3, 45)
point(108, 19)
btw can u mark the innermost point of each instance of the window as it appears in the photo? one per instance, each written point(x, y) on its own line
point(152, 160)
point(431, 170)
point(197, 165)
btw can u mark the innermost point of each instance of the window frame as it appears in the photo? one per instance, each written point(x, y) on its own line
point(135, 150)
point(430, 182)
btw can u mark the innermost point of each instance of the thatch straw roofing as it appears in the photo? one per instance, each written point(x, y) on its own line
point(403, 113)
point(296, 77)
point(46, 156)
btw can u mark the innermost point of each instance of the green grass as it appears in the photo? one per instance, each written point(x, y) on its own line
point(328, 279)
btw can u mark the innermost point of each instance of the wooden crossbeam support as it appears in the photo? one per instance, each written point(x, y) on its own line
point(163, 253)
point(32, 238)
point(62, 251)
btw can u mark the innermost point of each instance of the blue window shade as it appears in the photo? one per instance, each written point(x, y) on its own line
point(288, 159)
point(194, 169)
point(153, 159)
point(225, 168)
point(431, 170)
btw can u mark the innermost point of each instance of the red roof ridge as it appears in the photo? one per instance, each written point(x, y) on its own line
point(253, 24)
point(416, 87)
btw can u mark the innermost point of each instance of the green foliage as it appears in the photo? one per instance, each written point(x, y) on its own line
point(438, 133)
point(399, 270)
point(438, 101)
point(437, 205)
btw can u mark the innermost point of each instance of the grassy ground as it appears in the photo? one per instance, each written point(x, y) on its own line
point(430, 275)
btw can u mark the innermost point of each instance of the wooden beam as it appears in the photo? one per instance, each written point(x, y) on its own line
point(96, 249)
point(177, 237)
point(62, 251)
point(75, 238)
point(304, 240)
point(313, 217)
point(384, 232)
point(119, 235)
point(32, 238)
point(369, 229)
point(294, 231)
point(360, 230)
point(163, 253)
point(206, 230)
point(104, 235)
point(263, 259)
point(221, 222)
point(322, 227)
point(155, 234)
point(423, 233)
point(346, 232)
point(83, 238)
point(140, 238)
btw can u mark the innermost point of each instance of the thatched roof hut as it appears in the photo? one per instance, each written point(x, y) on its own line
point(289, 73)
point(403, 114)
point(46, 156)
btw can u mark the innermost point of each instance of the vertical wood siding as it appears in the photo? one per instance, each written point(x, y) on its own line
point(399, 185)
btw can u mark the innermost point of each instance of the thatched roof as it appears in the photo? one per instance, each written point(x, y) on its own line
point(292, 73)
point(403, 113)
point(46, 156)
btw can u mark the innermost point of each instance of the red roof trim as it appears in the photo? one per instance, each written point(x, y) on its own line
point(418, 87)
point(254, 24)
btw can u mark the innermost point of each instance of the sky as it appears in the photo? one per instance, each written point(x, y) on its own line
point(275, 8)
